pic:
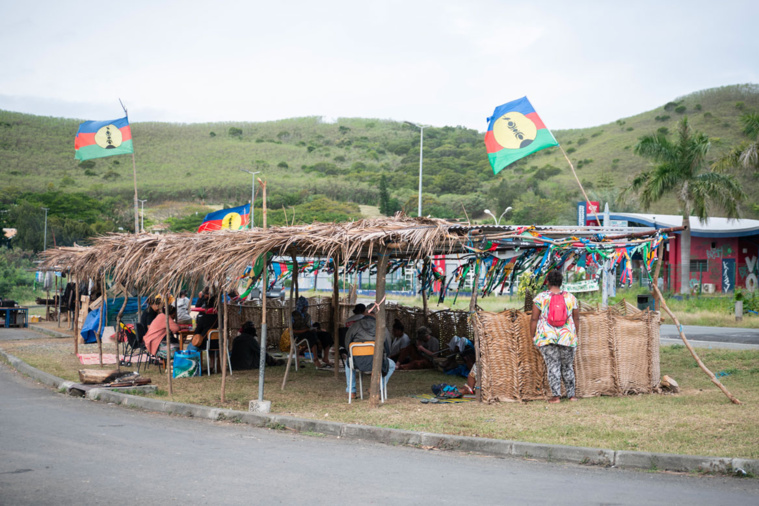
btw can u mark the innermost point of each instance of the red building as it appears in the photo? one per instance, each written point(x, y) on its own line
point(723, 253)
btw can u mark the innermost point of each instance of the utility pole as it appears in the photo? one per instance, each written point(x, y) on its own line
point(44, 247)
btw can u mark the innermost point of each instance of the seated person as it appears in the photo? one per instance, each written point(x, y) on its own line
point(325, 341)
point(301, 321)
point(203, 297)
point(246, 350)
point(207, 319)
point(365, 329)
point(157, 330)
point(400, 340)
point(421, 354)
point(358, 312)
point(155, 306)
point(471, 381)
point(183, 309)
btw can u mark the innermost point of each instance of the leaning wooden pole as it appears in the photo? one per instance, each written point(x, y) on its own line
point(425, 302)
point(379, 336)
point(118, 327)
point(658, 294)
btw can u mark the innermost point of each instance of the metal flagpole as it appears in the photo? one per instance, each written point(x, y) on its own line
point(134, 171)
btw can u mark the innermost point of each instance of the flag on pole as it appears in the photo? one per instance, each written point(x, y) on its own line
point(98, 139)
point(234, 218)
point(514, 131)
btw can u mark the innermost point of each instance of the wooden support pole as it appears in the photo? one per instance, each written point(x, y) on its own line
point(379, 336)
point(264, 282)
point(293, 350)
point(663, 303)
point(118, 327)
point(336, 319)
point(223, 348)
point(76, 317)
point(168, 343)
point(99, 332)
point(472, 309)
point(425, 304)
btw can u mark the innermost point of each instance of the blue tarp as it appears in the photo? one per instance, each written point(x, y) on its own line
point(91, 326)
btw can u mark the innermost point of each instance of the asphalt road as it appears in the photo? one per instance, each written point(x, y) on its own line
point(61, 450)
point(713, 334)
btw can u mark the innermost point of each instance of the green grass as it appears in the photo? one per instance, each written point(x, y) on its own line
point(700, 420)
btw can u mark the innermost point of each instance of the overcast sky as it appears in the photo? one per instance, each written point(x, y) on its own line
point(436, 62)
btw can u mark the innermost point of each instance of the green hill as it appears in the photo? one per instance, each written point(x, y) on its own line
point(307, 162)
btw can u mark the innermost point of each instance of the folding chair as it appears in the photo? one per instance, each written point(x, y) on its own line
point(213, 335)
point(361, 349)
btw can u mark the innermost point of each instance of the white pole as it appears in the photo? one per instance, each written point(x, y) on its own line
point(252, 194)
point(142, 215)
point(44, 247)
point(421, 158)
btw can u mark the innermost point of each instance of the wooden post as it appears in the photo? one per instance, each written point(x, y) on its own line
point(264, 282)
point(425, 304)
point(118, 327)
point(168, 343)
point(472, 309)
point(336, 320)
point(76, 317)
point(293, 351)
point(99, 332)
point(379, 336)
point(662, 302)
point(223, 349)
point(57, 302)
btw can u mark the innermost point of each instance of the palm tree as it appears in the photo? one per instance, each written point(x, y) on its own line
point(745, 155)
point(681, 170)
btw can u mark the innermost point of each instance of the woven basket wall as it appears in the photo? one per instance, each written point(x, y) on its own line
point(594, 358)
point(499, 358)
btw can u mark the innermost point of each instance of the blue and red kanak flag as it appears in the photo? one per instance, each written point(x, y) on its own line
point(98, 139)
point(234, 218)
point(514, 131)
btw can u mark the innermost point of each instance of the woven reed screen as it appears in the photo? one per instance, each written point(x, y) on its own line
point(617, 354)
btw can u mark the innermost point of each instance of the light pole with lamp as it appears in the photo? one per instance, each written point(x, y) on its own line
point(497, 220)
point(44, 247)
point(252, 193)
point(421, 159)
point(142, 214)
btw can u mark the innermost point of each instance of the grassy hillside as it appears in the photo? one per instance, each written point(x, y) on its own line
point(304, 159)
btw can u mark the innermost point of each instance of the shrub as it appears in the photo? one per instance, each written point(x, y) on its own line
point(629, 129)
point(680, 109)
point(212, 134)
point(571, 150)
point(740, 106)
point(662, 118)
point(670, 106)
point(581, 141)
point(698, 107)
point(596, 134)
point(283, 165)
point(235, 132)
point(663, 130)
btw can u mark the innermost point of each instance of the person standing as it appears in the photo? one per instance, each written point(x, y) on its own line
point(183, 309)
point(555, 318)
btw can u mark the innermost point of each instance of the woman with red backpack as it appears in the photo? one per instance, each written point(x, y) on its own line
point(555, 318)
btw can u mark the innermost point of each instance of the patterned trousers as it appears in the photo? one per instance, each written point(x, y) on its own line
point(559, 364)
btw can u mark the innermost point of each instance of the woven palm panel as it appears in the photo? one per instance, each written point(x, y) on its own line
point(531, 369)
point(584, 306)
point(498, 356)
point(654, 324)
point(447, 324)
point(632, 353)
point(594, 358)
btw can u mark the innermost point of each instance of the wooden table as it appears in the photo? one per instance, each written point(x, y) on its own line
point(183, 336)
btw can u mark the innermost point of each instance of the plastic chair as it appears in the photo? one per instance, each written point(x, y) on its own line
point(214, 335)
point(361, 349)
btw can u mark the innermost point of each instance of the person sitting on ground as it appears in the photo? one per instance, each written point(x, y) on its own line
point(183, 309)
point(362, 330)
point(399, 341)
point(302, 330)
point(157, 330)
point(471, 381)
point(246, 350)
point(421, 354)
point(556, 340)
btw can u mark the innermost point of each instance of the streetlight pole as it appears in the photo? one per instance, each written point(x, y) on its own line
point(497, 220)
point(252, 194)
point(421, 161)
point(44, 247)
point(142, 215)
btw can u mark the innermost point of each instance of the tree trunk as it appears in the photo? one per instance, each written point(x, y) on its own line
point(685, 255)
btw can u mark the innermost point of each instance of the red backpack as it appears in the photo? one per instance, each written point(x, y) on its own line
point(557, 310)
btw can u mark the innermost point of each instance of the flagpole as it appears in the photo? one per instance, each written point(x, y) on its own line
point(134, 172)
point(587, 200)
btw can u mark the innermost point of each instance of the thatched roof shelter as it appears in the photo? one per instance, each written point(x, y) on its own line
point(165, 261)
